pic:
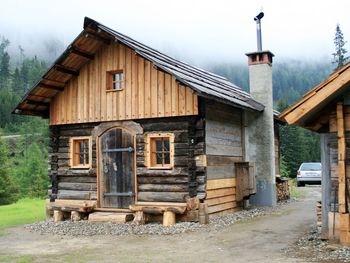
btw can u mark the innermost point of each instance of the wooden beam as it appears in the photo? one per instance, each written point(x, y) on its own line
point(77, 51)
point(66, 70)
point(38, 103)
point(53, 87)
point(341, 158)
point(97, 37)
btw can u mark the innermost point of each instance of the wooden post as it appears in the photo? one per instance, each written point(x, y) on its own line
point(139, 218)
point(203, 213)
point(341, 158)
point(75, 216)
point(169, 218)
point(58, 215)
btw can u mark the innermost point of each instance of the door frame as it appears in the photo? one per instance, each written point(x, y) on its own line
point(129, 126)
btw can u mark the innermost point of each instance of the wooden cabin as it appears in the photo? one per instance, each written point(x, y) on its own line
point(136, 132)
point(326, 109)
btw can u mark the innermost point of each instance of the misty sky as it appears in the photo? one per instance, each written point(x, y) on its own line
point(196, 31)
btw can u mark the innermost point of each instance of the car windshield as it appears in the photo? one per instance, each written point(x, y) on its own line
point(310, 167)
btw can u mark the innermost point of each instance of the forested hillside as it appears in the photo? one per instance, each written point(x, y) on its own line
point(23, 158)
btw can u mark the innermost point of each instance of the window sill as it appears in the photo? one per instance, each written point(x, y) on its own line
point(113, 90)
point(160, 168)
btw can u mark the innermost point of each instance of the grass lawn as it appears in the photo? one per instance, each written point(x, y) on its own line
point(25, 211)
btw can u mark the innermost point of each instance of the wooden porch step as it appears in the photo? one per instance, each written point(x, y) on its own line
point(110, 217)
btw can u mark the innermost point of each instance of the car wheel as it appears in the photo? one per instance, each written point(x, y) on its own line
point(300, 184)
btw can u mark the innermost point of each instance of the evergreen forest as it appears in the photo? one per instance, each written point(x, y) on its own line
point(24, 139)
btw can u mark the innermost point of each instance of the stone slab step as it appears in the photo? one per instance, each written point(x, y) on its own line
point(110, 217)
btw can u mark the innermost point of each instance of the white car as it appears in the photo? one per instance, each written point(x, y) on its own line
point(309, 173)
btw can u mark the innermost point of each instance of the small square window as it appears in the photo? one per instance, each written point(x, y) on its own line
point(115, 80)
point(160, 151)
point(80, 152)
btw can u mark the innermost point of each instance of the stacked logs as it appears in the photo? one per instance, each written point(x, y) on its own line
point(282, 189)
point(319, 215)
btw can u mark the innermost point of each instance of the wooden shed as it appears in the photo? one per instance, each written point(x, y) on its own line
point(326, 109)
point(136, 132)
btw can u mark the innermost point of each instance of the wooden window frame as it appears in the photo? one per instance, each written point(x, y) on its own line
point(109, 80)
point(148, 149)
point(80, 138)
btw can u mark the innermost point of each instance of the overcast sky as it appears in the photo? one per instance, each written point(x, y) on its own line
point(197, 31)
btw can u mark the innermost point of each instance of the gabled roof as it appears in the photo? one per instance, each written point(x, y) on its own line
point(95, 36)
point(318, 98)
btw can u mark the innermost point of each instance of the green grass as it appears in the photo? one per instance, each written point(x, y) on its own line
point(295, 192)
point(25, 211)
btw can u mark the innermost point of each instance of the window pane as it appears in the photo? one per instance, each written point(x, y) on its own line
point(159, 158)
point(159, 145)
point(166, 145)
point(167, 158)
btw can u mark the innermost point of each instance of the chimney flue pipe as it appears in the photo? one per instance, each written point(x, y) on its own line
point(258, 29)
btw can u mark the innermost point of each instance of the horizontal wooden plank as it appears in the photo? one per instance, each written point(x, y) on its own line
point(62, 202)
point(77, 186)
point(162, 196)
point(162, 180)
point(163, 187)
point(217, 160)
point(225, 212)
point(220, 172)
point(161, 203)
point(220, 200)
point(77, 195)
point(221, 183)
point(221, 192)
point(221, 207)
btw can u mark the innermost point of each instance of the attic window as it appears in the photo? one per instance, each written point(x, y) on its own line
point(115, 80)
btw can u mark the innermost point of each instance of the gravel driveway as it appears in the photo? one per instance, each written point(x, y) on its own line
point(260, 235)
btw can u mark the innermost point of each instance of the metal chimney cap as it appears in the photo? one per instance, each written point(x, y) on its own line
point(259, 16)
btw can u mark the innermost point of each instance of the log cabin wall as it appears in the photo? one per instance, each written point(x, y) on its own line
point(224, 147)
point(147, 93)
point(185, 179)
point(68, 183)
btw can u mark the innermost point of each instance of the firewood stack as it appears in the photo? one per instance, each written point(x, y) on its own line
point(319, 214)
point(282, 189)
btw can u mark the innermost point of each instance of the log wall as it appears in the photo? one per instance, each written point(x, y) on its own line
point(185, 179)
point(68, 183)
point(148, 92)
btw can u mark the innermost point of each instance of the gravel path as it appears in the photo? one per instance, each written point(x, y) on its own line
point(84, 228)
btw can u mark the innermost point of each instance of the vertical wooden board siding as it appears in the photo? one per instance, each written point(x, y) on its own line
point(134, 86)
point(160, 95)
point(182, 100)
point(141, 86)
point(174, 97)
point(128, 88)
point(154, 92)
point(147, 89)
point(147, 93)
point(109, 95)
point(121, 104)
point(189, 101)
point(167, 95)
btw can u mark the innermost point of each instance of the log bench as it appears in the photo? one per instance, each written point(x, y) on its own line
point(168, 210)
point(75, 208)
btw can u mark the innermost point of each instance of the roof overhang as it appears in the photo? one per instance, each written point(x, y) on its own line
point(316, 101)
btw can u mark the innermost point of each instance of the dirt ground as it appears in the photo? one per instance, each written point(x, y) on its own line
point(257, 240)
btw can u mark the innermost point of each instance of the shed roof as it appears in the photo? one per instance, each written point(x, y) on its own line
point(310, 106)
point(95, 36)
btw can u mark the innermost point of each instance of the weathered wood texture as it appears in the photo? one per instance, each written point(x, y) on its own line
point(245, 181)
point(68, 183)
point(185, 179)
point(221, 195)
point(277, 149)
point(148, 92)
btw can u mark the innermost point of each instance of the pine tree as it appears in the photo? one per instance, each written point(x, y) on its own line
point(339, 56)
point(8, 189)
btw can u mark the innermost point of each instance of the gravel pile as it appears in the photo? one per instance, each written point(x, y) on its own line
point(84, 228)
point(314, 249)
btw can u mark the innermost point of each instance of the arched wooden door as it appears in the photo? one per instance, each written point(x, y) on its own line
point(117, 168)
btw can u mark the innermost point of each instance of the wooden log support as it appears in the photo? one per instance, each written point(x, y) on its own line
point(169, 218)
point(203, 214)
point(341, 158)
point(58, 216)
point(139, 218)
point(75, 216)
